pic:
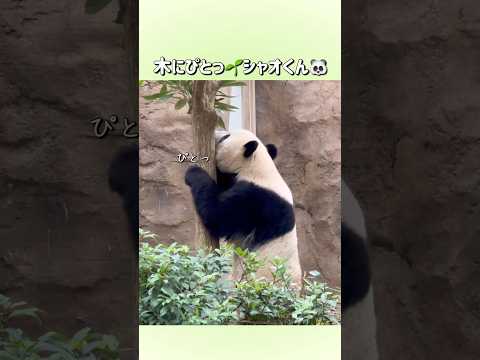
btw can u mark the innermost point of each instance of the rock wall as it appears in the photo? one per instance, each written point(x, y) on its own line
point(65, 246)
point(302, 118)
point(166, 206)
point(410, 140)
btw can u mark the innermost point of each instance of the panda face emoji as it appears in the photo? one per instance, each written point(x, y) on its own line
point(318, 67)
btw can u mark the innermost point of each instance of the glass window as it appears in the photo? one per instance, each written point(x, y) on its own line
point(243, 97)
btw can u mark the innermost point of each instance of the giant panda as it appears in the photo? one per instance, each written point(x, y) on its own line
point(358, 311)
point(123, 180)
point(251, 205)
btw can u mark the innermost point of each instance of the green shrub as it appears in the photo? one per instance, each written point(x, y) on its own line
point(178, 286)
point(15, 344)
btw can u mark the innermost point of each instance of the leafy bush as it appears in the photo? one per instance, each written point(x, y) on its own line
point(181, 287)
point(15, 344)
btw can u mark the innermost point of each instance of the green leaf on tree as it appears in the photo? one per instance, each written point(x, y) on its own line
point(225, 107)
point(164, 90)
point(158, 96)
point(220, 122)
point(180, 104)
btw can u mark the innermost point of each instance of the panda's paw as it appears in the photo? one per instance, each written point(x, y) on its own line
point(194, 174)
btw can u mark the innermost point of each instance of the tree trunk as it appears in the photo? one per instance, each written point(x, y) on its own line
point(204, 120)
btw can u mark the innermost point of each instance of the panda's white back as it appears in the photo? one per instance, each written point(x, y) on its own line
point(285, 247)
point(265, 174)
point(262, 172)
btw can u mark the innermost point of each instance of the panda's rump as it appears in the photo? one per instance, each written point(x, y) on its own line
point(284, 247)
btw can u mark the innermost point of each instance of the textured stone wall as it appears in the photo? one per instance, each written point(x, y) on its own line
point(302, 118)
point(410, 138)
point(64, 241)
point(166, 206)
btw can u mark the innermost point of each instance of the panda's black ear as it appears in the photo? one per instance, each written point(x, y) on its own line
point(272, 150)
point(250, 148)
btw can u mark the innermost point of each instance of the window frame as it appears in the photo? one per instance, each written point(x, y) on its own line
point(248, 106)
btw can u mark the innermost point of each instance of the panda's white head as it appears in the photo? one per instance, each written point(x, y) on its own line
point(241, 152)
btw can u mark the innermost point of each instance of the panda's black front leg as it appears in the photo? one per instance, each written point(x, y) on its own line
point(205, 193)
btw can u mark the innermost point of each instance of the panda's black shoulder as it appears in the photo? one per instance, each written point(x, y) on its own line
point(254, 195)
point(123, 171)
point(123, 179)
point(262, 210)
point(355, 267)
point(225, 180)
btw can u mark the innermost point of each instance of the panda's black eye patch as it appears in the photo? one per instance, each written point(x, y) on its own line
point(223, 138)
point(250, 148)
